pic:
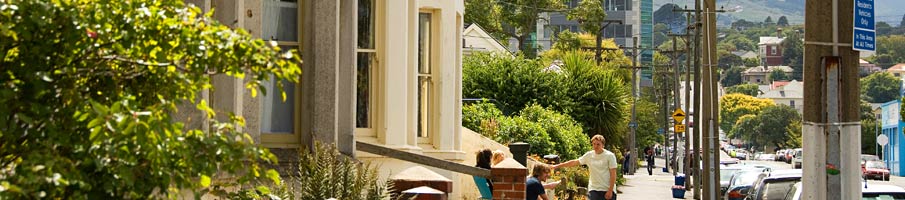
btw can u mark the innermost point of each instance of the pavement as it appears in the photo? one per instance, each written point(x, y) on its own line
point(642, 186)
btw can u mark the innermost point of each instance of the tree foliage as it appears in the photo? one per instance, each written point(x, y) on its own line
point(595, 96)
point(90, 89)
point(774, 122)
point(890, 50)
point(548, 131)
point(793, 54)
point(732, 76)
point(590, 15)
point(749, 89)
point(733, 106)
point(769, 20)
point(880, 87)
point(778, 75)
point(782, 21)
point(511, 18)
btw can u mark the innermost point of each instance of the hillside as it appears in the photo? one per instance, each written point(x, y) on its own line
point(757, 10)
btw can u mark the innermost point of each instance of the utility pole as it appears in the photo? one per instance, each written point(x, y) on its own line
point(687, 87)
point(694, 113)
point(709, 110)
point(676, 103)
point(633, 124)
point(831, 119)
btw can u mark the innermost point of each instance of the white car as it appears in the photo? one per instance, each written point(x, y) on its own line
point(766, 157)
point(868, 192)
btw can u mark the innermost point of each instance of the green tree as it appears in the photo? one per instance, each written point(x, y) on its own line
point(660, 36)
point(869, 125)
point(563, 130)
point(774, 122)
point(567, 41)
point(880, 87)
point(647, 113)
point(782, 21)
point(519, 16)
point(514, 82)
point(749, 89)
point(892, 46)
point(769, 20)
point(793, 54)
point(733, 106)
point(745, 128)
point(778, 75)
point(599, 96)
point(91, 88)
point(590, 15)
point(732, 76)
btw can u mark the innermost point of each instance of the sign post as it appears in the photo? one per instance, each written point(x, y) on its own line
point(864, 35)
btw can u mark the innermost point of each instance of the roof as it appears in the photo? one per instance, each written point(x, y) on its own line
point(897, 67)
point(777, 84)
point(769, 69)
point(770, 40)
point(745, 54)
point(474, 32)
point(793, 89)
point(862, 61)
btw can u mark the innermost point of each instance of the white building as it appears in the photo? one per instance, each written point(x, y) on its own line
point(383, 72)
point(790, 94)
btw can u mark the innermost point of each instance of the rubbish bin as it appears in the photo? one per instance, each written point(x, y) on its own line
point(680, 179)
point(678, 193)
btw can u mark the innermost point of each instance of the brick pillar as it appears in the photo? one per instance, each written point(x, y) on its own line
point(419, 176)
point(509, 180)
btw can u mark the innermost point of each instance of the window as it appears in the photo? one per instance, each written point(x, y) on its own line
point(281, 24)
point(425, 84)
point(792, 103)
point(365, 65)
point(773, 50)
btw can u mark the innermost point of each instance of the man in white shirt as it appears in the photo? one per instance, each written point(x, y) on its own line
point(602, 166)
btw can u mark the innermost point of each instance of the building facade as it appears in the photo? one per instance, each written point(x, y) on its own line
point(760, 74)
point(891, 126)
point(384, 72)
point(790, 94)
point(770, 50)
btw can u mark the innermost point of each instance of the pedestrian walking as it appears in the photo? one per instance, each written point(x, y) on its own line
point(649, 158)
point(602, 167)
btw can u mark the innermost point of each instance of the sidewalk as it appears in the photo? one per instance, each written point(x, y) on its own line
point(642, 186)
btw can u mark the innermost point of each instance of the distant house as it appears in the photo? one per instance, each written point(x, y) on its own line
point(475, 39)
point(790, 93)
point(867, 67)
point(759, 74)
point(897, 70)
point(770, 50)
point(745, 54)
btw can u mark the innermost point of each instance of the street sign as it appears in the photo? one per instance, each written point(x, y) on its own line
point(678, 115)
point(660, 131)
point(633, 124)
point(680, 128)
point(882, 140)
point(864, 35)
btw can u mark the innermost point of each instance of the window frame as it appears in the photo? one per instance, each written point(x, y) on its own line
point(294, 138)
point(431, 115)
point(375, 72)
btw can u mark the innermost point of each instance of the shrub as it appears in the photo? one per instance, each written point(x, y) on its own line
point(325, 173)
point(562, 129)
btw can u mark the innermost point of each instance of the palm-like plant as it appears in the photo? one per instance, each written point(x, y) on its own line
point(599, 94)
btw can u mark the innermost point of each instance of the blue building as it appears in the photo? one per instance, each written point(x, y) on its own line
point(892, 126)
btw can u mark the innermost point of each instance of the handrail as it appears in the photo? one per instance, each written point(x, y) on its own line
point(422, 159)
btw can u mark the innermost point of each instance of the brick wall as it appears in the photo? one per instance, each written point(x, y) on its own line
point(509, 180)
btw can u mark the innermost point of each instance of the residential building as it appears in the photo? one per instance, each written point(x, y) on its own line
point(897, 70)
point(867, 67)
point(790, 93)
point(891, 126)
point(478, 40)
point(745, 54)
point(770, 50)
point(760, 74)
point(381, 72)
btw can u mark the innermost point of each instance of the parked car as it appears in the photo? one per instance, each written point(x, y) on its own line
point(726, 174)
point(775, 186)
point(868, 157)
point(741, 154)
point(741, 182)
point(868, 192)
point(875, 170)
point(797, 159)
point(789, 154)
point(780, 155)
point(766, 157)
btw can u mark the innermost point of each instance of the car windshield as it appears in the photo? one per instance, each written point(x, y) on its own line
point(746, 178)
point(726, 174)
point(881, 196)
point(777, 190)
point(878, 165)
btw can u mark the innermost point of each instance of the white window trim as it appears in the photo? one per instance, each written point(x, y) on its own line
point(433, 108)
point(285, 140)
point(375, 103)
